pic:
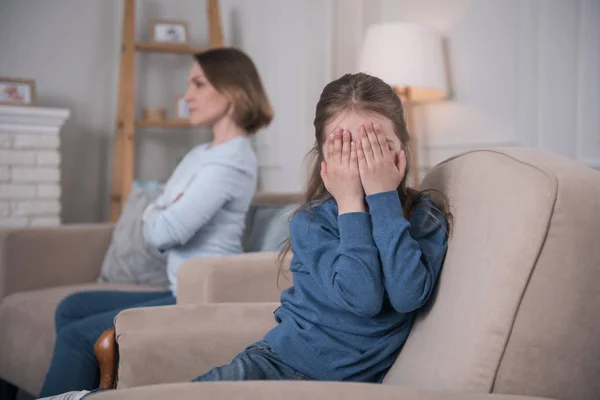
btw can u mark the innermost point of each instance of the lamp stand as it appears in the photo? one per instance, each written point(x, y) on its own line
point(406, 96)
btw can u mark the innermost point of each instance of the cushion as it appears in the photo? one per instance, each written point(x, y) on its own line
point(267, 227)
point(129, 259)
point(27, 332)
point(260, 390)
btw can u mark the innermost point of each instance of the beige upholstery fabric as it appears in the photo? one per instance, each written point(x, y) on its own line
point(179, 343)
point(35, 258)
point(554, 347)
point(27, 333)
point(289, 391)
point(501, 208)
point(48, 259)
point(250, 277)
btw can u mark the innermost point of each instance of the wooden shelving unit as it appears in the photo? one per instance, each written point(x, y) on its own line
point(163, 124)
point(167, 48)
point(126, 124)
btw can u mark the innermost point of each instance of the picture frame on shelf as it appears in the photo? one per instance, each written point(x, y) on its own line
point(182, 109)
point(17, 91)
point(170, 32)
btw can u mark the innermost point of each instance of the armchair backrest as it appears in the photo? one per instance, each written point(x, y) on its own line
point(516, 307)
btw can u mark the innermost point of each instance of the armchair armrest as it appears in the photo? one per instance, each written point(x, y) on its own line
point(290, 390)
point(179, 343)
point(244, 278)
point(35, 258)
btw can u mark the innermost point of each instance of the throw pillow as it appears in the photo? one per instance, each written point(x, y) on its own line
point(129, 259)
point(268, 226)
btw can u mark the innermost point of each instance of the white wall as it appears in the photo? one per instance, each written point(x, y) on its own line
point(523, 72)
point(290, 41)
point(71, 48)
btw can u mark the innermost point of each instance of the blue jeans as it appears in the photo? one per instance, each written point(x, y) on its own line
point(257, 362)
point(80, 319)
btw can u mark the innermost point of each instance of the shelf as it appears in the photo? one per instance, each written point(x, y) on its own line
point(167, 48)
point(164, 124)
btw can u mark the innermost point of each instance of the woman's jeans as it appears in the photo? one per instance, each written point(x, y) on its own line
point(80, 320)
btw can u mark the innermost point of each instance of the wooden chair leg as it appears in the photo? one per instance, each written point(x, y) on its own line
point(107, 353)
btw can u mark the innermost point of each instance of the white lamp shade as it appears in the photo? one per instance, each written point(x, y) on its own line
point(406, 55)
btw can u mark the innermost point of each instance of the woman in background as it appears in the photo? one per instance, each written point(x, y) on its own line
point(201, 212)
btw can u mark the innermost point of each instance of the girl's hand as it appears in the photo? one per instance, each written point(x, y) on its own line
point(380, 169)
point(340, 172)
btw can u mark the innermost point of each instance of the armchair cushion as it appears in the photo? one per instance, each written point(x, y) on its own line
point(36, 258)
point(289, 390)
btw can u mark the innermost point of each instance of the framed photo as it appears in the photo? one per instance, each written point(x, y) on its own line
point(17, 92)
point(173, 32)
point(182, 109)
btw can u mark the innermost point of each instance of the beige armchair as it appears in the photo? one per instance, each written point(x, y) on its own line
point(515, 311)
point(38, 268)
point(41, 266)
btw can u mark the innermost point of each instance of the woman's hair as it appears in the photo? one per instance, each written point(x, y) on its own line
point(233, 74)
point(367, 94)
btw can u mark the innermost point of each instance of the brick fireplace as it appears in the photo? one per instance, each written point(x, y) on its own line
point(30, 186)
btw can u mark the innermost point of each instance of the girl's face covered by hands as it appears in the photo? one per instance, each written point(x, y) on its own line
point(352, 121)
point(362, 156)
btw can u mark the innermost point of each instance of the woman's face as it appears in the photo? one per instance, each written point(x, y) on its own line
point(206, 104)
point(352, 121)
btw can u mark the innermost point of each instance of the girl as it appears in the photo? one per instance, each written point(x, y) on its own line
point(201, 212)
point(367, 250)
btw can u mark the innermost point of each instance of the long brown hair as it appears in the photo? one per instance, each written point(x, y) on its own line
point(359, 93)
point(233, 74)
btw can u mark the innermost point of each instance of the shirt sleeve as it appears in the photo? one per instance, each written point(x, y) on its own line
point(411, 255)
point(175, 225)
point(345, 266)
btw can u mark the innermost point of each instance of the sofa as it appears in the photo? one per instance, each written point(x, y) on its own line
point(514, 315)
point(40, 266)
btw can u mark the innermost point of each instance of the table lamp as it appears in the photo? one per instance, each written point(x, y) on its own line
point(410, 58)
